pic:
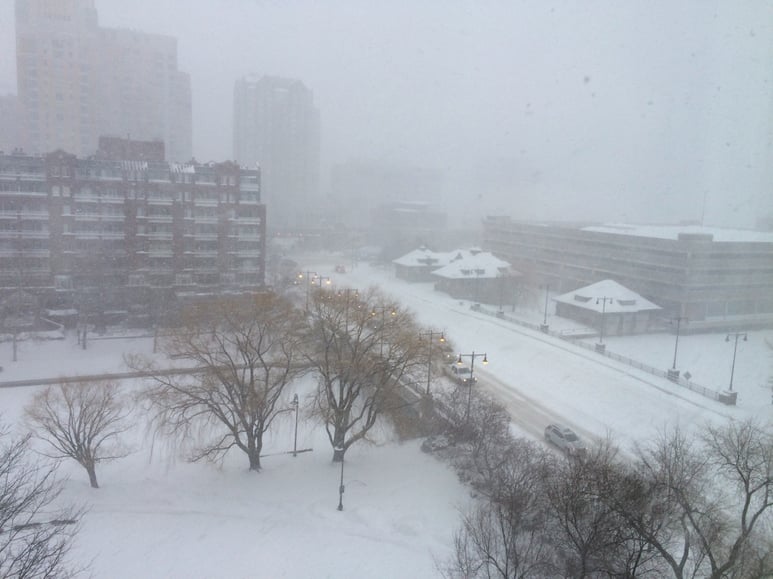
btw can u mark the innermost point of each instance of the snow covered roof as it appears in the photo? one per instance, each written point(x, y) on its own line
point(422, 257)
point(480, 264)
point(673, 232)
point(619, 299)
point(182, 168)
point(135, 165)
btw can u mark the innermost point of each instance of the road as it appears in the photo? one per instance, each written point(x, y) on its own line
point(527, 414)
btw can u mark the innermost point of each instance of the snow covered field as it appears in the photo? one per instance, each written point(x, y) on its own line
point(157, 517)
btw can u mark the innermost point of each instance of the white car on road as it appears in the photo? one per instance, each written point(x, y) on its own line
point(462, 374)
point(565, 439)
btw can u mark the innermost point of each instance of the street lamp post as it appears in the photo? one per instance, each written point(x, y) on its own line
point(341, 484)
point(383, 310)
point(295, 404)
point(544, 326)
point(472, 376)
point(736, 335)
point(501, 311)
point(346, 294)
point(673, 373)
point(308, 282)
point(600, 347)
point(431, 336)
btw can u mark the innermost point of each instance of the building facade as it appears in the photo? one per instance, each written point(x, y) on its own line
point(276, 127)
point(10, 128)
point(78, 81)
point(706, 275)
point(127, 233)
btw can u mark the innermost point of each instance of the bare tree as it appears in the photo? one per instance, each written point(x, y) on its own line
point(35, 535)
point(247, 350)
point(741, 461)
point(506, 534)
point(706, 503)
point(81, 421)
point(362, 346)
point(590, 535)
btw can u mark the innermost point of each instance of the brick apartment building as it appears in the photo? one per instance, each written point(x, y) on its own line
point(127, 231)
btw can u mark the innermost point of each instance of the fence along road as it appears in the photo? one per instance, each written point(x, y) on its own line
point(98, 377)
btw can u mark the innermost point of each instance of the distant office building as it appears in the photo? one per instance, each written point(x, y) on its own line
point(127, 227)
point(78, 81)
point(276, 126)
point(358, 187)
point(715, 277)
point(10, 128)
point(396, 227)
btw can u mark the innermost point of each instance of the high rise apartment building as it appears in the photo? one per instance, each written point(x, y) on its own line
point(78, 81)
point(276, 126)
point(10, 135)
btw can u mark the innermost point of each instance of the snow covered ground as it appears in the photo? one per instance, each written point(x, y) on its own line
point(159, 517)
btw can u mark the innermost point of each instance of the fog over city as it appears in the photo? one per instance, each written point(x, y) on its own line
point(599, 110)
point(399, 288)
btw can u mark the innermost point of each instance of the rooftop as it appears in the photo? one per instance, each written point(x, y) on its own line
point(607, 296)
point(674, 231)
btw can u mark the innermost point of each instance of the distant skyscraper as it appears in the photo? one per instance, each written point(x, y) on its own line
point(277, 127)
point(10, 129)
point(78, 81)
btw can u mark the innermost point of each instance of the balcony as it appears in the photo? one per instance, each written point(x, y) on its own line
point(92, 235)
point(159, 218)
point(158, 253)
point(163, 201)
point(246, 253)
point(165, 236)
point(25, 234)
point(26, 214)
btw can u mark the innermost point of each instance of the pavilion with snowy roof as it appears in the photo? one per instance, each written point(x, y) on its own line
point(478, 276)
point(418, 265)
point(620, 310)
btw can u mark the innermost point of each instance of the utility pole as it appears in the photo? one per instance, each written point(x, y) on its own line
point(431, 336)
point(600, 347)
point(673, 373)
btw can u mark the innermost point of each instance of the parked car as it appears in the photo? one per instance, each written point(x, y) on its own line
point(565, 439)
point(461, 374)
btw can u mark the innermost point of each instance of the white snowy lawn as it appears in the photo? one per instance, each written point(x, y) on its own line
point(156, 517)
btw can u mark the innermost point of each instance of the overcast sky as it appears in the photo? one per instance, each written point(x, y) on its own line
point(630, 110)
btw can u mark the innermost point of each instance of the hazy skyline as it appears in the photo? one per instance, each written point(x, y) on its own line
point(616, 110)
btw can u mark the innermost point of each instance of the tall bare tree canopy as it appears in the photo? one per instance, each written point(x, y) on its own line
point(81, 421)
point(35, 536)
point(247, 349)
point(361, 345)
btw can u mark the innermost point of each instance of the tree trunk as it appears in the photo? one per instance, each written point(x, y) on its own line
point(92, 476)
point(254, 456)
point(339, 448)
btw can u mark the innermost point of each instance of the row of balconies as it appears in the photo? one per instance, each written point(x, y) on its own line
point(24, 214)
point(43, 234)
point(25, 253)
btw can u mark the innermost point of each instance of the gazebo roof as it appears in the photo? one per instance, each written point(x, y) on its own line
point(422, 257)
point(619, 299)
point(468, 265)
